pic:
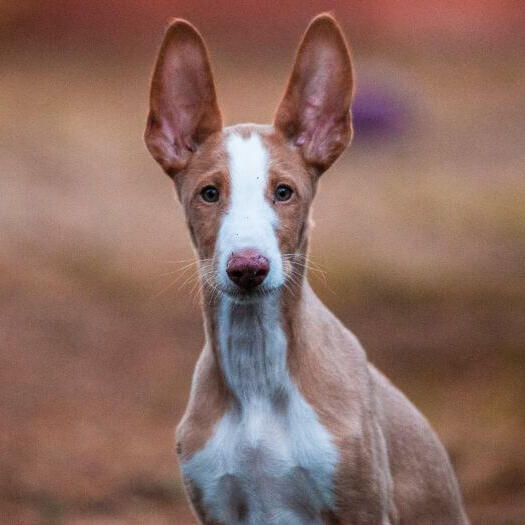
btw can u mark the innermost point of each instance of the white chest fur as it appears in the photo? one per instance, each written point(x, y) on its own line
point(269, 461)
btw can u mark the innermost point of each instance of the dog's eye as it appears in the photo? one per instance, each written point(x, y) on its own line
point(210, 194)
point(283, 192)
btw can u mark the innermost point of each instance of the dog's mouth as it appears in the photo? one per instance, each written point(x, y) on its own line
point(249, 295)
point(219, 284)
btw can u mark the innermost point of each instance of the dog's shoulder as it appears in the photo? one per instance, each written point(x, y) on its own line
point(207, 404)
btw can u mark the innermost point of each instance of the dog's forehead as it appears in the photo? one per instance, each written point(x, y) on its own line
point(247, 152)
point(245, 131)
point(253, 144)
point(248, 164)
point(218, 152)
point(246, 148)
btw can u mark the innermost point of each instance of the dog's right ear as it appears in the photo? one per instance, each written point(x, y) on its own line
point(183, 105)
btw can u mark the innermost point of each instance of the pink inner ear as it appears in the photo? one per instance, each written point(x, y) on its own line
point(183, 104)
point(315, 110)
point(301, 139)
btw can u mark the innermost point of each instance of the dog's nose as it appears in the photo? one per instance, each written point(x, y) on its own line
point(247, 268)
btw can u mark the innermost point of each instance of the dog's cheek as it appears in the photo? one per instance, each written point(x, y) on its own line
point(203, 230)
point(289, 229)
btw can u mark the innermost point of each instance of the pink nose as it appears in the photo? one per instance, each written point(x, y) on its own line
point(247, 268)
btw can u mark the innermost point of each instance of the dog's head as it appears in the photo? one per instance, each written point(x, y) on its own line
point(247, 189)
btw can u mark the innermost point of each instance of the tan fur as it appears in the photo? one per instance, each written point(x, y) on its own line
point(412, 476)
point(208, 166)
point(208, 402)
point(392, 468)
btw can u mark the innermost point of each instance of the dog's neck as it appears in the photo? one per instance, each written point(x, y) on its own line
point(250, 342)
point(252, 348)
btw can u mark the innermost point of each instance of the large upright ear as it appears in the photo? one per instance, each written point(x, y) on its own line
point(183, 104)
point(314, 113)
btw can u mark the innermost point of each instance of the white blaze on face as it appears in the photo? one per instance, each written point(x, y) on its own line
point(250, 221)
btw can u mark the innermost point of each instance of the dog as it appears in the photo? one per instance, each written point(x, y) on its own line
point(287, 422)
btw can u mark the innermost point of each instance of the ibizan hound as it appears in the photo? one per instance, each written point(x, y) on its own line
point(287, 422)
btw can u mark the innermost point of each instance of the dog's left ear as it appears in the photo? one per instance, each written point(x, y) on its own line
point(314, 114)
point(183, 105)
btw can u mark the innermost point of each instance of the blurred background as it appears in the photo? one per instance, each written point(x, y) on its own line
point(420, 238)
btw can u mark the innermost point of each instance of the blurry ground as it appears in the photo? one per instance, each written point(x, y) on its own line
point(421, 234)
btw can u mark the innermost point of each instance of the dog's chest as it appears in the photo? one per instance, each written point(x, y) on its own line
point(270, 460)
point(265, 466)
